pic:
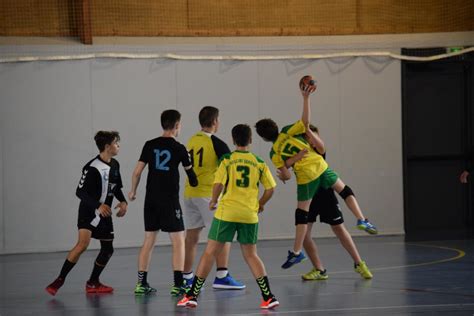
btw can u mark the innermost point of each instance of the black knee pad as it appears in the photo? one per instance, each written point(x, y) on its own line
point(346, 192)
point(301, 216)
point(106, 251)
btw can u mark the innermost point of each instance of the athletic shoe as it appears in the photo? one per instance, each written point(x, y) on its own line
point(363, 270)
point(54, 287)
point(144, 289)
point(177, 291)
point(97, 287)
point(367, 226)
point(315, 274)
point(270, 303)
point(227, 283)
point(293, 259)
point(188, 282)
point(188, 301)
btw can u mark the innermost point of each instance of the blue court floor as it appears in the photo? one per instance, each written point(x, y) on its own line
point(422, 278)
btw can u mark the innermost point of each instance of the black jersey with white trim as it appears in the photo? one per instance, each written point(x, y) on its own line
point(99, 183)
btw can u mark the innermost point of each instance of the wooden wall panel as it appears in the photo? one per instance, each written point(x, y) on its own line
point(235, 18)
point(37, 18)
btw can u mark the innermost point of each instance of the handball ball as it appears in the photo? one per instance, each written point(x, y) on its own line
point(306, 81)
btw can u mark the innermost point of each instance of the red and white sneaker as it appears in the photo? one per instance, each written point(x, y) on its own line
point(54, 287)
point(270, 303)
point(188, 301)
point(97, 287)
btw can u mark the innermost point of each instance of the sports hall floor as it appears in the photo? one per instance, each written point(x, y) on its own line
point(422, 278)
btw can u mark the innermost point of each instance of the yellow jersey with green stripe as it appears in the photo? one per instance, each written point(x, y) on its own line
point(241, 172)
point(205, 150)
point(289, 142)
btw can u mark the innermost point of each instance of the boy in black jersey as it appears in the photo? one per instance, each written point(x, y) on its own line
point(162, 210)
point(99, 184)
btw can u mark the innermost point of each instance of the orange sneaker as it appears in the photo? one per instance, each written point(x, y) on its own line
point(54, 287)
point(97, 287)
point(270, 303)
point(188, 301)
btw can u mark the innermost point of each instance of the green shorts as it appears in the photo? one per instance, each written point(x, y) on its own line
point(325, 180)
point(223, 231)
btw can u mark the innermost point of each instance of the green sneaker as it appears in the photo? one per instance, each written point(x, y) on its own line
point(144, 289)
point(363, 270)
point(315, 274)
point(177, 291)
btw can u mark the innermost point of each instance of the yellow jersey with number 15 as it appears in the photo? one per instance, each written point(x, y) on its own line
point(289, 142)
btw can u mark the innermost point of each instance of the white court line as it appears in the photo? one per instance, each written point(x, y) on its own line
point(355, 309)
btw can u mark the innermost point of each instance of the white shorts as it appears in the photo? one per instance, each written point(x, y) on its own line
point(196, 213)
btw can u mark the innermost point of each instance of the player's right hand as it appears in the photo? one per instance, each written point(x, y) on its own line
point(463, 176)
point(212, 205)
point(308, 90)
point(132, 195)
point(105, 210)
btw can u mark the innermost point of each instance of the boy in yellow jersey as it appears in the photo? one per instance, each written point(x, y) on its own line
point(205, 150)
point(325, 204)
point(238, 177)
point(311, 172)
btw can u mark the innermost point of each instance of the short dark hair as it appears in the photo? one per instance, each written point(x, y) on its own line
point(267, 129)
point(208, 115)
point(103, 138)
point(169, 118)
point(242, 135)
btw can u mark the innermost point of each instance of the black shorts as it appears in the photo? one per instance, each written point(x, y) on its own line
point(325, 205)
point(165, 215)
point(101, 227)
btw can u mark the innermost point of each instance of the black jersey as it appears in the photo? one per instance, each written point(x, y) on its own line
point(100, 182)
point(163, 156)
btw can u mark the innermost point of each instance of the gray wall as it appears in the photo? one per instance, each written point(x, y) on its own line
point(51, 110)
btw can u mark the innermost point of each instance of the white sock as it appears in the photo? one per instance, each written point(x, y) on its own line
point(221, 273)
point(188, 275)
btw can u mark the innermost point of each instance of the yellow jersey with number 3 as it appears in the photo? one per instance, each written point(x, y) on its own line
point(289, 142)
point(241, 172)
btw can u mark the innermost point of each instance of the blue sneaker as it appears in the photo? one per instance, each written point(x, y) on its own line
point(227, 283)
point(367, 226)
point(188, 282)
point(293, 259)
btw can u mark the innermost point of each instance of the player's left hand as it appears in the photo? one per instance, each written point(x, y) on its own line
point(122, 206)
point(308, 90)
point(261, 208)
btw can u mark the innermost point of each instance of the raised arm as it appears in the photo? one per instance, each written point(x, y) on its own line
point(306, 92)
